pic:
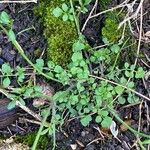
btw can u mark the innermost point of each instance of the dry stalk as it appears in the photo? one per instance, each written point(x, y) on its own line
point(89, 16)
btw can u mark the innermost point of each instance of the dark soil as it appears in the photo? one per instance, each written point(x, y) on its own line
point(30, 40)
point(72, 133)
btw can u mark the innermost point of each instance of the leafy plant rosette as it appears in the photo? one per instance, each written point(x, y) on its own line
point(84, 95)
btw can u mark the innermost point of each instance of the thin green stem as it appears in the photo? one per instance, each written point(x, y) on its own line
point(40, 129)
point(75, 18)
point(20, 50)
point(54, 126)
point(118, 56)
point(113, 112)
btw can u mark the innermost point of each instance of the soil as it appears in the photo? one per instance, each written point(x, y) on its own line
point(72, 134)
point(31, 40)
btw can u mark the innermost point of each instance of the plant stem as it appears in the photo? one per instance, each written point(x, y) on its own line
point(20, 50)
point(54, 127)
point(113, 112)
point(40, 129)
point(75, 18)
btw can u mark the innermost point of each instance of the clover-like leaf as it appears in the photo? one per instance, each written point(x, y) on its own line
point(86, 120)
point(65, 17)
point(57, 12)
point(107, 121)
point(65, 7)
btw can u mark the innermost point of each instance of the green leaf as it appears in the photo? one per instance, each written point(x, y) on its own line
point(123, 80)
point(11, 35)
point(86, 120)
point(105, 40)
point(121, 100)
point(65, 17)
point(98, 119)
point(140, 73)
point(104, 113)
point(6, 82)
point(71, 18)
point(65, 7)
point(38, 89)
point(11, 105)
point(129, 74)
point(74, 99)
point(146, 142)
point(20, 73)
point(4, 18)
point(77, 56)
point(132, 67)
point(60, 96)
point(80, 87)
point(57, 12)
point(58, 69)
point(40, 64)
point(119, 90)
point(131, 85)
point(86, 110)
point(6, 69)
point(132, 98)
point(115, 48)
point(126, 65)
point(28, 92)
point(50, 64)
point(106, 122)
point(78, 46)
point(22, 101)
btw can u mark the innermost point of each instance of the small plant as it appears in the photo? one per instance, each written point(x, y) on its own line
point(64, 11)
point(83, 5)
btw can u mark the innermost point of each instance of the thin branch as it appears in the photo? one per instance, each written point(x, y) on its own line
point(89, 16)
point(111, 9)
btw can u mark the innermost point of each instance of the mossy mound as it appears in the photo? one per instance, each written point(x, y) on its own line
point(59, 34)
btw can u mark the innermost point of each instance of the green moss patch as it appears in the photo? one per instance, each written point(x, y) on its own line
point(59, 34)
point(29, 140)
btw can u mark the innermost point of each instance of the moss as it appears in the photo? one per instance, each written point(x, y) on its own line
point(37, 53)
point(29, 140)
point(60, 35)
point(104, 4)
point(110, 31)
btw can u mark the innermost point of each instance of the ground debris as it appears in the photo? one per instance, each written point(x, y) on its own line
point(5, 145)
